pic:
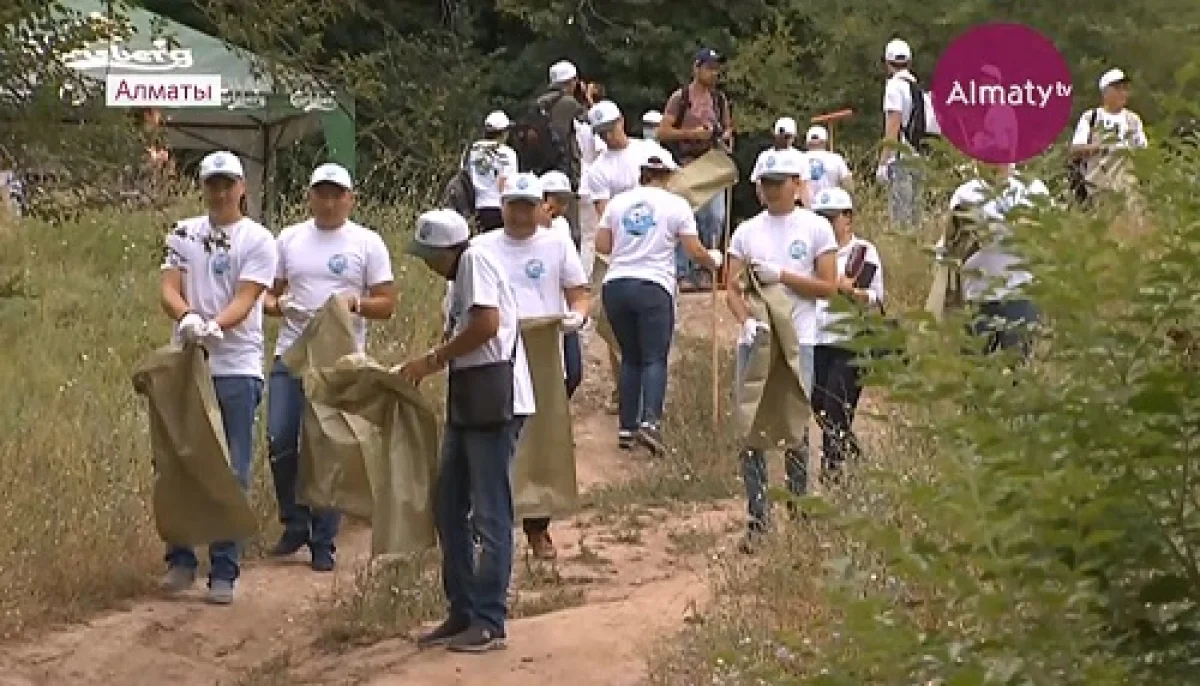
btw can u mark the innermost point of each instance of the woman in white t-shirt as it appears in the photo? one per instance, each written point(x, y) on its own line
point(838, 378)
point(491, 162)
point(639, 230)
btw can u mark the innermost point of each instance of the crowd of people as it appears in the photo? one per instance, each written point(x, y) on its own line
point(525, 250)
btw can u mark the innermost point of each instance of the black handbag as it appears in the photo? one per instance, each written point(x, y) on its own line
point(481, 397)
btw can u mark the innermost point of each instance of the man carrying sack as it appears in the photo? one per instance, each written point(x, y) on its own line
point(792, 253)
point(325, 256)
point(216, 269)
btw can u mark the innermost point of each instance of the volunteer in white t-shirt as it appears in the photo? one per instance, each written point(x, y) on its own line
point(784, 139)
point(640, 230)
point(1105, 135)
point(837, 376)
point(590, 147)
point(216, 269)
point(895, 170)
point(558, 194)
point(650, 121)
point(549, 281)
point(616, 169)
point(993, 274)
point(491, 161)
point(324, 256)
point(489, 396)
point(793, 246)
point(826, 168)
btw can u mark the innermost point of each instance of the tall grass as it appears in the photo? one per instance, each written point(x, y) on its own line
point(78, 309)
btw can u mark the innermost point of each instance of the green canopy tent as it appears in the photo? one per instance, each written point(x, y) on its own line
point(258, 114)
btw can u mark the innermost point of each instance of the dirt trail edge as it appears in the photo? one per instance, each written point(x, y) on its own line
point(625, 579)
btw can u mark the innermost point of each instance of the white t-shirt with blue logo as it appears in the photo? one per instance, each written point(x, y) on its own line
point(792, 242)
point(213, 261)
point(646, 224)
point(318, 263)
point(540, 267)
point(826, 169)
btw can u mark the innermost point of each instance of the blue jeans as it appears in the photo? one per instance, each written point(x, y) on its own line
point(285, 412)
point(474, 497)
point(710, 223)
point(1005, 325)
point(795, 458)
point(904, 195)
point(238, 398)
point(642, 316)
point(573, 363)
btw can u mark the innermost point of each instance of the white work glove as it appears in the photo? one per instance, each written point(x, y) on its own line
point(291, 309)
point(752, 329)
point(717, 256)
point(767, 273)
point(881, 174)
point(573, 321)
point(211, 334)
point(190, 326)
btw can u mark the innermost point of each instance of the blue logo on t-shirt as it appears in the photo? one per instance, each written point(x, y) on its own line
point(534, 268)
point(816, 169)
point(220, 263)
point(798, 250)
point(337, 264)
point(638, 220)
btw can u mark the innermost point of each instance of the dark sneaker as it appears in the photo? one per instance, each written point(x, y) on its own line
point(220, 591)
point(542, 546)
point(477, 639)
point(444, 633)
point(177, 580)
point(651, 437)
point(625, 440)
point(323, 560)
point(289, 544)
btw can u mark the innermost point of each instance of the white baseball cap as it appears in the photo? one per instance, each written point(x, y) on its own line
point(332, 173)
point(785, 126)
point(779, 164)
point(652, 117)
point(655, 156)
point(497, 121)
point(1111, 77)
point(561, 72)
point(604, 115)
point(835, 199)
point(897, 51)
point(525, 186)
point(555, 182)
point(221, 163)
point(438, 230)
point(817, 133)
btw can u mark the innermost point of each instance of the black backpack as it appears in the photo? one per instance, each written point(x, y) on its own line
point(538, 146)
point(720, 101)
point(459, 193)
point(915, 130)
point(1076, 179)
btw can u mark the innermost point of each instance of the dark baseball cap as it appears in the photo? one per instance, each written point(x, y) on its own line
point(708, 56)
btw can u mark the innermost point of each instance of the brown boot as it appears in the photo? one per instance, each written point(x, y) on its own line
point(542, 546)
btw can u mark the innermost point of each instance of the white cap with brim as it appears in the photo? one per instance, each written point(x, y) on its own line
point(781, 164)
point(438, 230)
point(604, 115)
point(497, 121)
point(658, 158)
point(221, 163)
point(332, 173)
point(785, 126)
point(897, 51)
point(555, 182)
point(652, 117)
point(832, 200)
point(525, 187)
point(561, 72)
point(817, 133)
point(1112, 76)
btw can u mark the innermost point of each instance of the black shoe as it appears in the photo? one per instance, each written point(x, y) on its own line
point(323, 560)
point(477, 639)
point(289, 544)
point(651, 437)
point(444, 633)
point(625, 440)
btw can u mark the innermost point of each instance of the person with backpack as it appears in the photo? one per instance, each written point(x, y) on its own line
point(1102, 141)
point(545, 137)
point(908, 120)
point(696, 119)
point(490, 162)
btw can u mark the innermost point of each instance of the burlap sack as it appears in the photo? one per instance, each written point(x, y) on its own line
point(703, 178)
point(597, 314)
point(196, 498)
point(332, 442)
point(771, 407)
point(543, 473)
point(400, 467)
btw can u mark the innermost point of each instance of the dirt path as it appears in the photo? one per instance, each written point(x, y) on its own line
point(624, 581)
